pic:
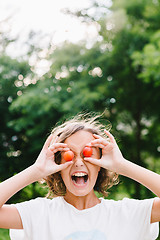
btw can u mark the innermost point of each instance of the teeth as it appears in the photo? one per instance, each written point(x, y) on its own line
point(79, 174)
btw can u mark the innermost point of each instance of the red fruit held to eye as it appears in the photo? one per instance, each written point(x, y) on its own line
point(68, 156)
point(87, 151)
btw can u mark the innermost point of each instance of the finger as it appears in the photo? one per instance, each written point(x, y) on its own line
point(101, 141)
point(93, 161)
point(64, 165)
point(55, 139)
point(110, 136)
point(96, 135)
point(48, 141)
point(100, 137)
point(57, 145)
point(60, 150)
point(99, 145)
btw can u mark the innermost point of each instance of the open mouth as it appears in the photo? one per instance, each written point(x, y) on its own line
point(79, 178)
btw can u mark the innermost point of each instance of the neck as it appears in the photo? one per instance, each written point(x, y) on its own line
point(82, 202)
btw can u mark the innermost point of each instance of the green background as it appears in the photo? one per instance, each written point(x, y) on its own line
point(116, 74)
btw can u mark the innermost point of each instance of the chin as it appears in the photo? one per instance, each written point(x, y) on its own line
point(80, 192)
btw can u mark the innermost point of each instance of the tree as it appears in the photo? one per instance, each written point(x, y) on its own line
point(105, 78)
point(136, 107)
point(11, 76)
point(129, 60)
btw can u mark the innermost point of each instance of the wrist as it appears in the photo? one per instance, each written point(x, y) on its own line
point(124, 167)
point(37, 172)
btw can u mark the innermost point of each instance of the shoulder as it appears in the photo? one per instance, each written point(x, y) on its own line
point(129, 205)
point(38, 204)
point(126, 201)
point(35, 202)
point(130, 209)
point(37, 208)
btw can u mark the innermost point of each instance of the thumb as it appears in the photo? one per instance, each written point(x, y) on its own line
point(65, 165)
point(93, 161)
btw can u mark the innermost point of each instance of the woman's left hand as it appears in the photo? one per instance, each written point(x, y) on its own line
point(112, 158)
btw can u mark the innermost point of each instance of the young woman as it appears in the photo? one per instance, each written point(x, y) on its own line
point(76, 212)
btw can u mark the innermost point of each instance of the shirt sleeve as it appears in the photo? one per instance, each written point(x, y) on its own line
point(31, 213)
point(139, 212)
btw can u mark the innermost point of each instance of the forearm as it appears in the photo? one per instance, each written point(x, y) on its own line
point(14, 184)
point(142, 175)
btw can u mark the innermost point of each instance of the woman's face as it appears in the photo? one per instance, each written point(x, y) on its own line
point(80, 177)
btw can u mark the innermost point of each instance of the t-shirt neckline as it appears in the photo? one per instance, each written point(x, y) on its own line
point(83, 210)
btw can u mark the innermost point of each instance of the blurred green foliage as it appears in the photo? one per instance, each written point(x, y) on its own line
point(4, 234)
point(116, 74)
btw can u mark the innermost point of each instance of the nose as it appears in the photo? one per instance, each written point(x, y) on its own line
point(79, 162)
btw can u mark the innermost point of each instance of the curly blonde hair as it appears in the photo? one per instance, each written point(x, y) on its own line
point(106, 179)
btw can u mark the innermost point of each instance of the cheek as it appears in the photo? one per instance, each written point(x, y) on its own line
point(65, 174)
point(94, 169)
point(97, 170)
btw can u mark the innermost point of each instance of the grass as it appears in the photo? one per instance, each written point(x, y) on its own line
point(4, 234)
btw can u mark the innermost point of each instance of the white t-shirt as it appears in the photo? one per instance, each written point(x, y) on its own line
point(45, 219)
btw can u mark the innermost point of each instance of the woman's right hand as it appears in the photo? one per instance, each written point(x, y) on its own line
point(44, 166)
point(45, 162)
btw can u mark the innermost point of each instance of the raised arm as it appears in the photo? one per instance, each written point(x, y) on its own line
point(9, 216)
point(44, 166)
point(113, 160)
